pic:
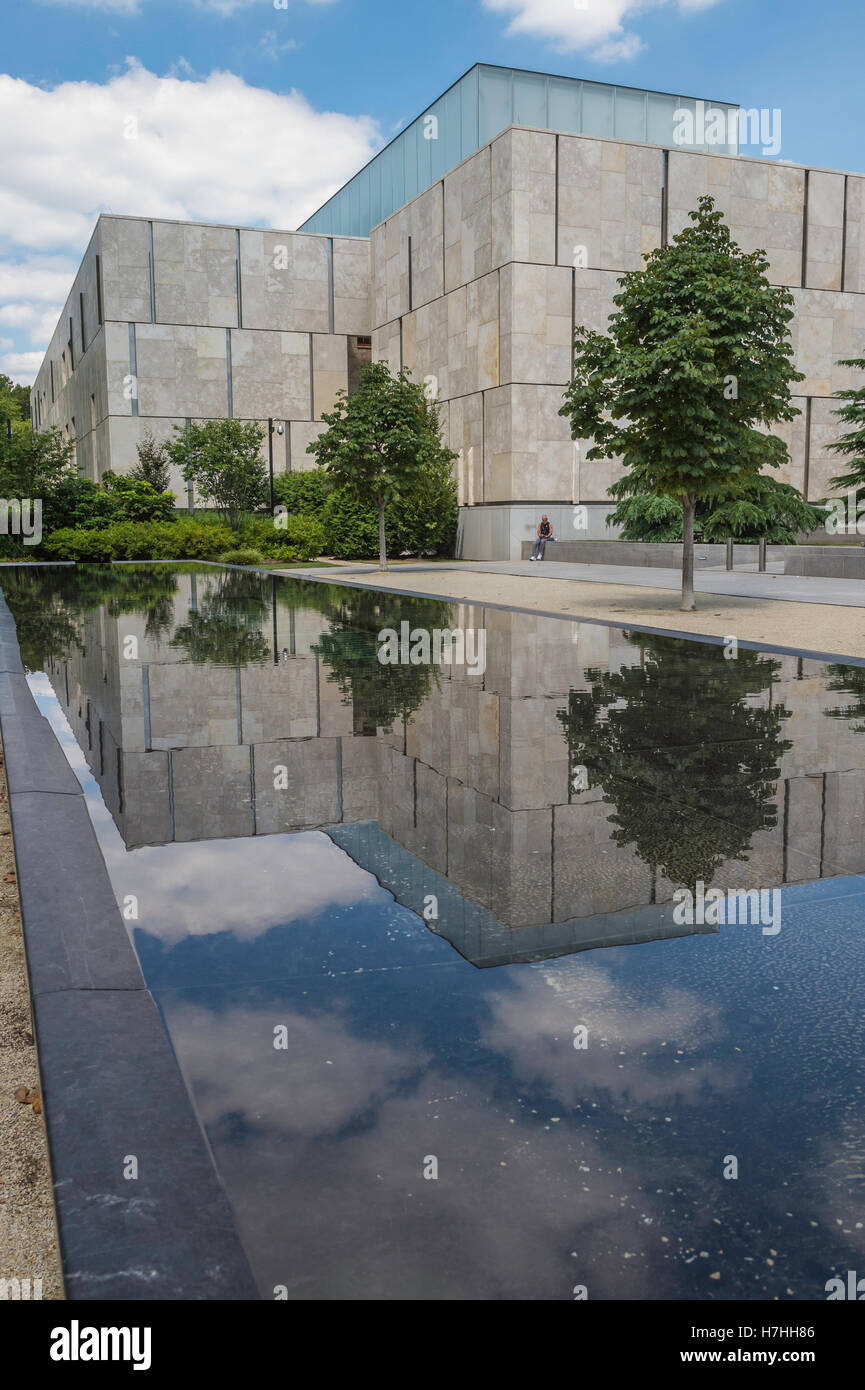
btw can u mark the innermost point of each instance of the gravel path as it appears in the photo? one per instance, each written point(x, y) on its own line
point(28, 1228)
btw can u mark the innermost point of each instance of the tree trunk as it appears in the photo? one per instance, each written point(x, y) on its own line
point(689, 507)
point(382, 544)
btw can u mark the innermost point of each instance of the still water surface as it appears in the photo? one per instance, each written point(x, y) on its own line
point(381, 908)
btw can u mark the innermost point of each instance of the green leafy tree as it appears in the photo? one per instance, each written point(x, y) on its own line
point(762, 509)
point(697, 358)
point(420, 522)
point(646, 517)
point(153, 463)
point(688, 763)
point(223, 459)
point(383, 443)
point(14, 401)
point(32, 463)
point(851, 445)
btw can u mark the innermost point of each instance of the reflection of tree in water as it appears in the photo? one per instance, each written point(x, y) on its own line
point(227, 626)
point(379, 694)
point(848, 680)
point(48, 604)
point(688, 765)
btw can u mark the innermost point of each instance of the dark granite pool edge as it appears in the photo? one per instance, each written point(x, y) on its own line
point(142, 1214)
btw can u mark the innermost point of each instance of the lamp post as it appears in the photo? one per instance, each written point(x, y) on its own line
point(280, 429)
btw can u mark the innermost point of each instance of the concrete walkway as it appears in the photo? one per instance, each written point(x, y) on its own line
point(744, 583)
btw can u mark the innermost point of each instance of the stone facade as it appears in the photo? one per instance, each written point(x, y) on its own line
point(189, 322)
point(542, 225)
point(475, 285)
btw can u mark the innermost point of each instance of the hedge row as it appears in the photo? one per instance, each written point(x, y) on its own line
point(299, 539)
point(316, 519)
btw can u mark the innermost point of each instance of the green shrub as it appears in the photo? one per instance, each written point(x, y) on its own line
point(351, 533)
point(183, 539)
point(302, 493)
point(424, 522)
point(77, 543)
point(298, 538)
point(76, 501)
point(136, 500)
point(240, 557)
point(187, 539)
point(284, 537)
point(257, 533)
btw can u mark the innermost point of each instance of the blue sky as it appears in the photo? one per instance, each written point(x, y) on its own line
point(242, 111)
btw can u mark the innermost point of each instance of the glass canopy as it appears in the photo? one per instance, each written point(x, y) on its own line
point(485, 101)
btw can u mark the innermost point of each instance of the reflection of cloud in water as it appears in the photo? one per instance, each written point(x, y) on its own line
point(322, 1080)
point(533, 1022)
point(322, 1149)
point(242, 886)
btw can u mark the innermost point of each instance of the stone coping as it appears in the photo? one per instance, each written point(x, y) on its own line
point(111, 1084)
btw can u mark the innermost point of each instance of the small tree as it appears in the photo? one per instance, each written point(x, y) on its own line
point(383, 442)
point(223, 459)
point(153, 463)
point(762, 508)
point(697, 358)
point(33, 462)
point(852, 444)
point(14, 401)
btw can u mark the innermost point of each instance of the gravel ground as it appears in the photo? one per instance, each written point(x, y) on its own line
point(28, 1226)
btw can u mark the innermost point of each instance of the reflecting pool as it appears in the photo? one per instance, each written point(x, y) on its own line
point(419, 931)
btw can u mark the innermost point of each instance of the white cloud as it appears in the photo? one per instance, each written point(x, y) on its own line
point(209, 149)
point(595, 26)
point(21, 366)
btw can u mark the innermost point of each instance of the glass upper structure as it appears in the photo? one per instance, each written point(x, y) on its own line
point(485, 101)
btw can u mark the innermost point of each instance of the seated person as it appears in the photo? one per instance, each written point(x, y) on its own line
point(545, 533)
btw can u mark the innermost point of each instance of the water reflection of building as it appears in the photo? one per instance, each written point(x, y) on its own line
point(470, 798)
